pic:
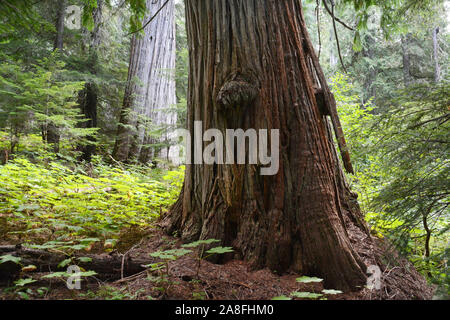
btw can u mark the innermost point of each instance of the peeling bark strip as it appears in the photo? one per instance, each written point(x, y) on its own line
point(252, 66)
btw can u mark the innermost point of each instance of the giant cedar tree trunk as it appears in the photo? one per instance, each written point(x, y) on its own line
point(151, 87)
point(295, 219)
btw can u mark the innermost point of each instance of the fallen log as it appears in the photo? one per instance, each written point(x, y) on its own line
point(107, 266)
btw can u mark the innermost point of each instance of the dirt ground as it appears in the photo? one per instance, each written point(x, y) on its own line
point(233, 280)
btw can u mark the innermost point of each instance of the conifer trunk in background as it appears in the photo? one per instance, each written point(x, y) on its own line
point(437, 67)
point(51, 132)
point(150, 89)
point(60, 26)
point(133, 103)
point(88, 97)
point(295, 220)
point(371, 77)
point(407, 79)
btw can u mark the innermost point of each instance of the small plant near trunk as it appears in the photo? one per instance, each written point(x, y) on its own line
point(202, 254)
point(309, 295)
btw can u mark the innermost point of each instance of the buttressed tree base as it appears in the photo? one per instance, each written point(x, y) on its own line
point(252, 65)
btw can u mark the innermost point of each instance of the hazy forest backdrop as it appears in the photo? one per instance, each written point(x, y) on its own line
point(88, 112)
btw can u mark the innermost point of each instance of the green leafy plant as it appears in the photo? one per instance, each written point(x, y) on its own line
point(163, 267)
point(21, 290)
point(306, 279)
point(309, 295)
point(24, 282)
point(282, 298)
point(202, 254)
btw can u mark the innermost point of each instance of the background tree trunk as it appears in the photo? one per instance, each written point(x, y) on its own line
point(88, 97)
point(134, 98)
point(371, 77)
point(60, 26)
point(407, 79)
point(150, 89)
point(293, 220)
point(437, 67)
point(108, 267)
point(51, 133)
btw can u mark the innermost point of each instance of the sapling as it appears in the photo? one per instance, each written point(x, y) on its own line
point(201, 252)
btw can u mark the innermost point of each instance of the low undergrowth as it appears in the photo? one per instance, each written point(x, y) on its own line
point(48, 204)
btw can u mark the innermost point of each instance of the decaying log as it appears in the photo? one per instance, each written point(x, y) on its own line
point(108, 267)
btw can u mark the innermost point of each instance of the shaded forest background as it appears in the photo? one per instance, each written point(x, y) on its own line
point(388, 66)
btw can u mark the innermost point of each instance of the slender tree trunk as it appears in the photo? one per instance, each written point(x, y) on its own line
point(427, 237)
point(150, 89)
point(88, 97)
point(134, 98)
point(162, 91)
point(406, 60)
point(333, 57)
point(51, 134)
point(437, 67)
point(425, 215)
point(293, 220)
point(58, 44)
point(370, 90)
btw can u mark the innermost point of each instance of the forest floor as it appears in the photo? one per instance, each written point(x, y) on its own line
point(233, 280)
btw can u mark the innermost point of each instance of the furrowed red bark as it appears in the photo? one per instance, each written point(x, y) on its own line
point(252, 65)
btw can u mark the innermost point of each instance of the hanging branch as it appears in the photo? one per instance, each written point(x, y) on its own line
point(151, 19)
point(334, 17)
point(318, 26)
point(336, 35)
